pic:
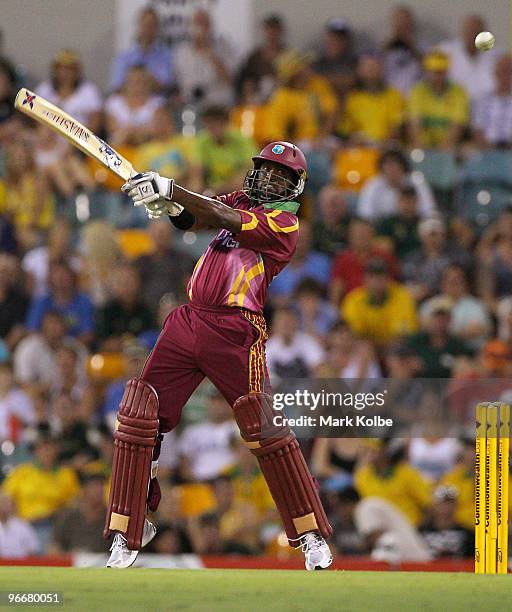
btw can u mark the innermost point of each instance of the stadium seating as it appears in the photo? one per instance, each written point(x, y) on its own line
point(105, 367)
point(438, 167)
point(485, 186)
point(354, 166)
point(134, 242)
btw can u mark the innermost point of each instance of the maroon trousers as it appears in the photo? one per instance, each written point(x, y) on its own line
point(224, 344)
point(227, 346)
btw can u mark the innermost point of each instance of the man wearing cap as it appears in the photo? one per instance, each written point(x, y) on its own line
point(219, 334)
point(304, 105)
point(438, 110)
point(422, 269)
point(435, 346)
point(382, 309)
point(401, 229)
point(443, 534)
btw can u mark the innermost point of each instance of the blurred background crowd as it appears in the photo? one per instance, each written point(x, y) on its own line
point(403, 269)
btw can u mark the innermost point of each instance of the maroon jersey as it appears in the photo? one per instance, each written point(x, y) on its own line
point(236, 269)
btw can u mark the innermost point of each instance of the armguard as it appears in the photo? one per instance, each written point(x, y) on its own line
point(184, 221)
point(293, 488)
point(134, 440)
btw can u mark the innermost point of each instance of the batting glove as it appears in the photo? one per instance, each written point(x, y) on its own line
point(154, 192)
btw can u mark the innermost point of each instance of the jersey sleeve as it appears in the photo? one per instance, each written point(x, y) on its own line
point(229, 199)
point(273, 233)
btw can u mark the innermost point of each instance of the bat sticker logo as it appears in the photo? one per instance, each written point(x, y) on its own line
point(112, 159)
point(29, 99)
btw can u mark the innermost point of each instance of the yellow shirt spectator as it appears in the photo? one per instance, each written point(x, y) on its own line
point(323, 96)
point(372, 116)
point(402, 486)
point(171, 157)
point(252, 490)
point(436, 113)
point(384, 320)
point(290, 115)
point(39, 493)
point(23, 200)
point(464, 481)
point(251, 121)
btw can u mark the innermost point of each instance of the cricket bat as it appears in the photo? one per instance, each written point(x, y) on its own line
point(81, 137)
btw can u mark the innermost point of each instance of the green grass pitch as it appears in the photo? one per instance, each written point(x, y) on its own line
point(102, 590)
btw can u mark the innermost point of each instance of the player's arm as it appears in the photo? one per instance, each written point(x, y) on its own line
point(187, 210)
point(207, 211)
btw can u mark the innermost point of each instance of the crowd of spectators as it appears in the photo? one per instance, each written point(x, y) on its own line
point(390, 278)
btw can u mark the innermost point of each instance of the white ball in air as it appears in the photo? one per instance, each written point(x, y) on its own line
point(485, 41)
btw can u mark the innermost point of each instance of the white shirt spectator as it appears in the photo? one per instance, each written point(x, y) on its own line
point(197, 77)
point(17, 539)
point(353, 369)
point(398, 540)
point(433, 458)
point(505, 319)
point(474, 73)
point(126, 116)
point(169, 451)
point(466, 312)
point(207, 447)
point(16, 403)
point(34, 361)
point(492, 115)
point(36, 263)
point(379, 199)
point(85, 100)
point(302, 349)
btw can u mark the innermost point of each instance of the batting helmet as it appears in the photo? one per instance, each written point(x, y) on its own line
point(263, 186)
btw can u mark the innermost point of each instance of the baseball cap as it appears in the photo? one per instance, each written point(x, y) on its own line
point(338, 25)
point(439, 304)
point(445, 493)
point(67, 57)
point(289, 63)
point(436, 61)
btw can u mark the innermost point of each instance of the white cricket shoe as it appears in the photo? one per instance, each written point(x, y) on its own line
point(120, 555)
point(316, 551)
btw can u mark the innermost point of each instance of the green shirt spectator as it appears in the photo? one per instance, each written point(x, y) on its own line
point(402, 229)
point(436, 348)
point(438, 110)
point(222, 152)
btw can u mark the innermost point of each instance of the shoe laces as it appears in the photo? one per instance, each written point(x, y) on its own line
point(119, 541)
point(309, 542)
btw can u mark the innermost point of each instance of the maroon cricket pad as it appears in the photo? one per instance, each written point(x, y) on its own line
point(282, 463)
point(134, 440)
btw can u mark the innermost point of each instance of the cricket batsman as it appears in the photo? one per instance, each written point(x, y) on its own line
point(219, 334)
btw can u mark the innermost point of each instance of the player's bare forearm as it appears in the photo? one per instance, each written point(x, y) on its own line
point(207, 211)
